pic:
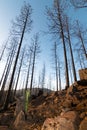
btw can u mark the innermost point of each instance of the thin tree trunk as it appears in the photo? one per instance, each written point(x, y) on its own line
point(8, 68)
point(43, 77)
point(10, 59)
point(63, 41)
point(19, 72)
point(5, 69)
point(56, 66)
point(27, 79)
point(70, 72)
point(3, 50)
point(71, 52)
point(59, 75)
point(80, 59)
point(80, 36)
point(14, 68)
point(33, 69)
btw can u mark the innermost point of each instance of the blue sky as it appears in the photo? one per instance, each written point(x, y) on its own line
point(9, 9)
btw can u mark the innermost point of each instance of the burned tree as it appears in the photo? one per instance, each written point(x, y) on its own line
point(8, 66)
point(55, 57)
point(80, 37)
point(59, 74)
point(3, 50)
point(20, 26)
point(70, 47)
point(43, 77)
point(79, 3)
point(56, 27)
point(29, 65)
point(19, 70)
point(35, 51)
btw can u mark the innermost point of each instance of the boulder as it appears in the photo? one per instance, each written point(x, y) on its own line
point(19, 119)
point(82, 106)
point(83, 74)
point(4, 128)
point(19, 106)
point(67, 121)
point(5, 118)
point(76, 94)
point(83, 125)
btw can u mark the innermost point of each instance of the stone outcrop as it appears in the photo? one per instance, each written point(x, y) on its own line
point(83, 125)
point(76, 95)
point(19, 120)
point(65, 110)
point(19, 105)
point(4, 128)
point(5, 118)
point(66, 121)
point(83, 74)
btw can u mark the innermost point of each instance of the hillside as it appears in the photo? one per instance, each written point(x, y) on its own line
point(45, 111)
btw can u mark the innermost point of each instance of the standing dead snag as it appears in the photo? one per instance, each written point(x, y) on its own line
point(81, 39)
point(22, 24)
point(56, 27)
point(55, 62)
point(43, 77)
point(79, 3)
point(28, 71)
point(19, 70)
point(35, 51)
point(71, 51)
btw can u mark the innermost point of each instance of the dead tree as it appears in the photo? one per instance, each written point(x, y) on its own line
point(71, 51)
point(5, 69)
point(79, 3)
point(3, 51)
point(39, 81)
point(21, 25)
point(8, 69)
point(56, 27)
point(55, 57)
point(19, 70)
point(59, 74)
point(28, 71)
point(79, 35)
point(35, 51)
point(43, 77)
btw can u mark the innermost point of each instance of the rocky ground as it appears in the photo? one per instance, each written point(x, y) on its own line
point(62, 110)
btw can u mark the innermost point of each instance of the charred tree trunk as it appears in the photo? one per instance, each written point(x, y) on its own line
point(3, 50)
point(9, 63)
point(19, 72)
point(35, 51)
point(71, 52)
point(5, 69)
point(14, 68)
point(59, 73)
point(56, 64)
point(8, 68)
point(43, 77)
point(81, 39)
point(32, 74)
point(64, 47)
point(27, 79)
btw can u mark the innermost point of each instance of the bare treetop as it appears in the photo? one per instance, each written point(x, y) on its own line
point(79, 3)
point(25, 15)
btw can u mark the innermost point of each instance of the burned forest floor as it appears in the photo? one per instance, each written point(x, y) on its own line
point(49, 111)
